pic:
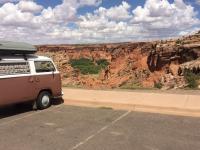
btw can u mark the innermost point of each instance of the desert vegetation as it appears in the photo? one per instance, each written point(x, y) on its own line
point(87, 66)
point(192, 79)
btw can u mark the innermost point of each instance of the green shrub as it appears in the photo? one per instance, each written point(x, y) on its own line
point(191, 78)
point(158, 85)
point(86, 66)
point(92, 69)
point(103, 63)
point(80, 62)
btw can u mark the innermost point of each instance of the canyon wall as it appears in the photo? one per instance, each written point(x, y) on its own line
point(132, 65)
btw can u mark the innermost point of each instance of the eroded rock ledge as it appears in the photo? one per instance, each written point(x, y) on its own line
point(132, 65)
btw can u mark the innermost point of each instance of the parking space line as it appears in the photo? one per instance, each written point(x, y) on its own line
point(100, 130)
point(29, 115)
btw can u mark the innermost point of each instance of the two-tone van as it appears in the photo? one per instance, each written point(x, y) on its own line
point(29, 77)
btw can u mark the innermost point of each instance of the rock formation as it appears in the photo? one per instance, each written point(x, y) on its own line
point(132, 65)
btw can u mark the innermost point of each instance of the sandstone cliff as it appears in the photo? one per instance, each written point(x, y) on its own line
point(132, 65)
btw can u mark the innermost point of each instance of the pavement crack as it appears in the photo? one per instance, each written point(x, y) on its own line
point(99, 131)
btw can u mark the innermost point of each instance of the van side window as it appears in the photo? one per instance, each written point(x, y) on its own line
point(44, 66)
point(14, 68)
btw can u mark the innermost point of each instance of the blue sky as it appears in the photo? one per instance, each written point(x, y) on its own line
point(97, 21)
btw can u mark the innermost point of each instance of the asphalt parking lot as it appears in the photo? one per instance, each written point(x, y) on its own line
point(64, 127)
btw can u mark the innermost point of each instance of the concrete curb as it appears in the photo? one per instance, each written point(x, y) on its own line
point(175, 104)
point(137, 108)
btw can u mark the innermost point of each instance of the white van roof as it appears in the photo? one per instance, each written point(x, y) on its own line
point(11, 48)
point(26, 57)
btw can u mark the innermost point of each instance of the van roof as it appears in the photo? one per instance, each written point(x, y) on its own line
point(16, 47)
point(21, 58)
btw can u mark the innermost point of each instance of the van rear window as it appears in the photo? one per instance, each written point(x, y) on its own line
point(14, 68)
point(44, 66)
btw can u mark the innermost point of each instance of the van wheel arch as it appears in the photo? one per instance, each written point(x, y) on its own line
point(46, 90)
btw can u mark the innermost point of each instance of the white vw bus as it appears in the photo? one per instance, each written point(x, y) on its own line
point(27, 77)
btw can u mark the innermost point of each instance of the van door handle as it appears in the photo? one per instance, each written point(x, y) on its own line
point(31, 79)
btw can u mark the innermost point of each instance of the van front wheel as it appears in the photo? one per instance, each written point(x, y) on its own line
point(43, 100)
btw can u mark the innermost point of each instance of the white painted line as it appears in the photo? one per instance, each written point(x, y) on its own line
point(99, 131)
point(29, 115)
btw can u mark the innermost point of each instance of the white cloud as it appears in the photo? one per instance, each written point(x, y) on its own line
point(120, 12)
point(159, 17)
point(11, 16)
point(103, 18)
point(90, 2)
point(66, 11)
point(19, 21)
point(198, 2)
point(29, 21)
point(29, 6)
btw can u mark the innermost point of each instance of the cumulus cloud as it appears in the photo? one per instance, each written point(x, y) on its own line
point(120, 12)
point(103, 17)
point(110, 24)
point(28, 21)
point(19, 21)
point(29, 6)
point(156, 19)
point(11, 16)
point(163, 18)
point(66, 11)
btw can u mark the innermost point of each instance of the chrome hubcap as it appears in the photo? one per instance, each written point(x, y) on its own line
point(45, 100)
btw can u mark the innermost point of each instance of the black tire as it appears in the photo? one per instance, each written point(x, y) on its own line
point(44, 100)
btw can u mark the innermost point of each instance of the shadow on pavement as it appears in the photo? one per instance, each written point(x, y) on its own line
point(57, 101)
point(17, 109)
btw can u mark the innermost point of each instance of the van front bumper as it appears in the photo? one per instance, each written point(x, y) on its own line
point(60, 96)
